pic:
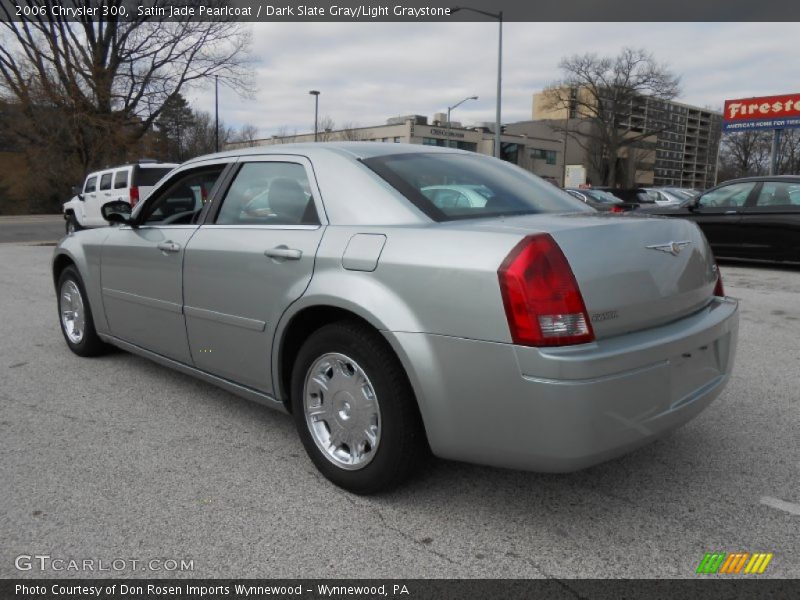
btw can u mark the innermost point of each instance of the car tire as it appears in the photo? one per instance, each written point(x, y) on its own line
point(369, 417)
point(72, 224)
point(75, 316)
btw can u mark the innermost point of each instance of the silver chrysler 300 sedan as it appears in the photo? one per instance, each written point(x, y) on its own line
point(523, 330)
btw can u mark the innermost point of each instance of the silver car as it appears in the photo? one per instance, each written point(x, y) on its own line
point(529, 331)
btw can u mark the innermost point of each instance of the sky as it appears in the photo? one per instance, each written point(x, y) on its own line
point(368, 72)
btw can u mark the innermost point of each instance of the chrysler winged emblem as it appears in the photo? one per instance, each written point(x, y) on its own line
point(673, 248)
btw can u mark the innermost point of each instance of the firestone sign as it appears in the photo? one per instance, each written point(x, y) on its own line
point(767, 112)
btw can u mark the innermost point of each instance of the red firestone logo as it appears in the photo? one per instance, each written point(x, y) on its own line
point(767, 107)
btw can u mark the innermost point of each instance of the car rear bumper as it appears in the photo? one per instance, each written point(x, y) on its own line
point(562, 409)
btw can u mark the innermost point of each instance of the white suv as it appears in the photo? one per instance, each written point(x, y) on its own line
point(130, 183)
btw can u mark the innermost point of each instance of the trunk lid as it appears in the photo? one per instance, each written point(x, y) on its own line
point(630, 274)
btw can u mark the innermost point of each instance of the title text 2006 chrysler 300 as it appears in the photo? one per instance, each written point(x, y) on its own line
point(395, 298)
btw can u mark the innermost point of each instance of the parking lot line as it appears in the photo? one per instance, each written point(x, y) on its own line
point(789, 507)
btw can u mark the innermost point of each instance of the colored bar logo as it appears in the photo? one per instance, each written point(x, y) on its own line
point(734, 563)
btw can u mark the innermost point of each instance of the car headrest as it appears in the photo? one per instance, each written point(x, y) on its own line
point(287, 199)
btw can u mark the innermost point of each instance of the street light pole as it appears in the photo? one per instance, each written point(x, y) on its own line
point(216, 113)
point(315, 93)
point(497, 142)
point(449, 108)
point(499, 17)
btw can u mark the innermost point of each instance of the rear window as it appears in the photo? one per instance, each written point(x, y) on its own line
point(464, 186)
point(149, 176)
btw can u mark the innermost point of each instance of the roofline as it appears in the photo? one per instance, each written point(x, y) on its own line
point(651, 97)
point(355, 149)
point(762, 178)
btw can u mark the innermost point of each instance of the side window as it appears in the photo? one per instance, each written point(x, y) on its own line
point(775, 193)
point(105, 181)
point(269, 193)
point(121, 179)
point(733, 195)
point(183, 199)
point(91, 185)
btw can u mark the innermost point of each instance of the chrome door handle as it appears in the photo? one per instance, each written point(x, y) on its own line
point(731, 212)
point(284, 253)
point(169, 246)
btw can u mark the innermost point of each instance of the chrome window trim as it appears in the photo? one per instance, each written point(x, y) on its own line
point(270, 227)
point(194, 226)
point(172, 176)
point(300, 159)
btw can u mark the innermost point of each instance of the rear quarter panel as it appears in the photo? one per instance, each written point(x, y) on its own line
point(428, 280)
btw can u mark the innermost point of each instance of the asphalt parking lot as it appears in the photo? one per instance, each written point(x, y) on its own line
point(118, 457)
point(31, 228)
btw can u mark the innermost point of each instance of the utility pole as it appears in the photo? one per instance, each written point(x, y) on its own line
point(216, 113)
point(316, 93)
point(776, 148)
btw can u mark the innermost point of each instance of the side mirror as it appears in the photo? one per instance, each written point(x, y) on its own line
point(117, 211)
point(694, 204)
point(76, 190)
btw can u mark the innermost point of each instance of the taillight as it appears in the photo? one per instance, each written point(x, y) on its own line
point(134, 195)
point(543, 303)
point(617, 209)
point(718, 289)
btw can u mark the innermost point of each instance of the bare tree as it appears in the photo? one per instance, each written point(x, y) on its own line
point(744, 153)
point(606, 92)
point(283, 136)
point(103, 83)
point(246, 136)
point(200, 138)
point(325, 128)
point(350, 133)
point(789, 152)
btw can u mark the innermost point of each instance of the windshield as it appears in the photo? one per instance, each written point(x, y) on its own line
point(451, 186)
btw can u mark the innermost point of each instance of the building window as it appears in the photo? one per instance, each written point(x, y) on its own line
point(548, 156)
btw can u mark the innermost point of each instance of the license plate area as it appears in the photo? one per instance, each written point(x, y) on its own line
point(692, 370)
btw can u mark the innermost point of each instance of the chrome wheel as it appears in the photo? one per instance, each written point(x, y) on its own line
point(73, 316)
point(342, 411)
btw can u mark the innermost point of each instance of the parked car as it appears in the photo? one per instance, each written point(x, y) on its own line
point(667, 197)
point(754, 218)
point(600, 199)
point(130, 183)
point(632, 196)
point(530, 332)
point(457, 196)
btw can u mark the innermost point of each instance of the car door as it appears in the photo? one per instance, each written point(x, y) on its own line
point(88, 198)
point(718, 212)
point(771, 222)
point(101, 196)
point(247, 263)
point(141, 265)
point(120, 187)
